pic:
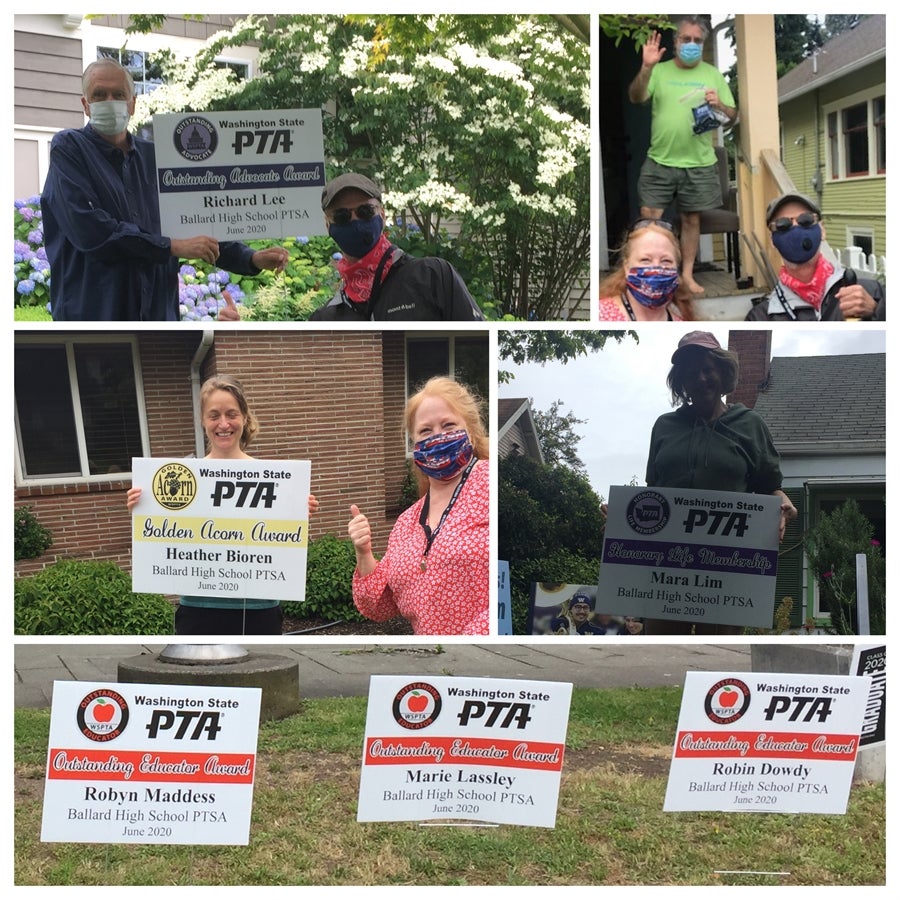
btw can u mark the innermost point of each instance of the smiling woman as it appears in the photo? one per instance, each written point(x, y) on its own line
point(435, 570)
point(230, 426)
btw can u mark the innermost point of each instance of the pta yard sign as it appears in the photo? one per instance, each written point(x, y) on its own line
point(478, 749)
point(150, 764)
point(766, 743)
point(240, 175)
point(221, 528)
point(695, 556)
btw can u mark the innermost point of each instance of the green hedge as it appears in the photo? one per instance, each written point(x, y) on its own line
point(87, 597)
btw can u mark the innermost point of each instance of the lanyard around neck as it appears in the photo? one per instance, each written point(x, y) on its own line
point(423, 515)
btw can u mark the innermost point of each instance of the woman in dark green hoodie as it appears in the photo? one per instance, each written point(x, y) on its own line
point(706, 445)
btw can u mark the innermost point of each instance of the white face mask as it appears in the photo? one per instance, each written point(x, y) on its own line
point(110, 116)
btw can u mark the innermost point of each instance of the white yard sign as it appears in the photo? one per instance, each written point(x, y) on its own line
point(766, 743)
point(240, 175)
point(695, 556)
point(479, 749)
point(221, 528)
point(150, 764)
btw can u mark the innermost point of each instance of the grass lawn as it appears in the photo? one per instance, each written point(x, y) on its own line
point(32, 314)
point(610, 826)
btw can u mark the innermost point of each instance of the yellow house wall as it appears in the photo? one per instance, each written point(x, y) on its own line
point(854, 202)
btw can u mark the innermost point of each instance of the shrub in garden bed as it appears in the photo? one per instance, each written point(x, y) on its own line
point(87, 597)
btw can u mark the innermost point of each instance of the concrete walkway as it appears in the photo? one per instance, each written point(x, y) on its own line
point(343, 670)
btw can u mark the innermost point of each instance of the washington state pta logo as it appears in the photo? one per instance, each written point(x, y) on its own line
point(417, 705)
point(174, 486)
point(648, 512)
point(726, 701)
point(195, 138)
point(102, 715)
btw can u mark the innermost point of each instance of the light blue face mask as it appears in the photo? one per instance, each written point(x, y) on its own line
point(690, 54)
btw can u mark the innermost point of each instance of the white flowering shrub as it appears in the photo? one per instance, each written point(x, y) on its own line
point(482, 120)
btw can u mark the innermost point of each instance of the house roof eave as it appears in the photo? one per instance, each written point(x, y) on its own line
point(823, 80)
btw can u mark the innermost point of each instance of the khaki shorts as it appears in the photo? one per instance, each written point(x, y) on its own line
point(694, 189)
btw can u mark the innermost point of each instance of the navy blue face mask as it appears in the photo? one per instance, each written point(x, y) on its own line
point(357, 237)
point(799, 243)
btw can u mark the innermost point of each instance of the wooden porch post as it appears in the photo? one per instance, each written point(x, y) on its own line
point(759, 132)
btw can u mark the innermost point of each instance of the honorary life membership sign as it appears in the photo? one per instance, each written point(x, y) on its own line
point(480, 749)
point(220, 528)
point(766, 743)
point(696, 556)
point(150, 764)
point(240, 175)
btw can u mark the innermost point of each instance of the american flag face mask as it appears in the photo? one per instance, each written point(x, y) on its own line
point(443, 456)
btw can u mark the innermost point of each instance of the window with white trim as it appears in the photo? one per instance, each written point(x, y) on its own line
point(856, 136)
point(144, 70)
point(147, 72)
point(79, 408)
point(864, 238)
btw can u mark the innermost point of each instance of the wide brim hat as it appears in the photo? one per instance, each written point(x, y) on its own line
point(349, 180)
point(695, 340)
point(778, 202)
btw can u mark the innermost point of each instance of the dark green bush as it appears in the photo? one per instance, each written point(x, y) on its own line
point(329, 576)
point(87, 597)
point(31, 538)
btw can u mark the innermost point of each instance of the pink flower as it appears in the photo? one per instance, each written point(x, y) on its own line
point(875, 543)
point(827, 574)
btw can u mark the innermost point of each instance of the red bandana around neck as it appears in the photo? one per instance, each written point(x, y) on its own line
point(359, 277)
point(812, 291)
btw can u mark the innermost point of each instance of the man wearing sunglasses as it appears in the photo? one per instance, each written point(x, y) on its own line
point(809, 287)
point(101, 218)
point(690, 100)
point(378, 280)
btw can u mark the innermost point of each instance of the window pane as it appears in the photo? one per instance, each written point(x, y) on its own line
point(880, 140)
point(472, 365)
point(108, 406)
point(856, 139)
point(426, 358)
point(48, 442)
point(833, 145)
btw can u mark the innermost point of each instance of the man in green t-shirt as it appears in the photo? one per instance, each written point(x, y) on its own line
point(681, 162)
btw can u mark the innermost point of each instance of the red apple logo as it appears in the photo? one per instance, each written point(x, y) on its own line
point(728, 697)
point(417, 702)
point(103, 711)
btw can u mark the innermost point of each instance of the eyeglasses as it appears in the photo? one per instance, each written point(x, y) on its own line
point(645, 223)
point(686, 39)
point(342, 215)
point(785, 223)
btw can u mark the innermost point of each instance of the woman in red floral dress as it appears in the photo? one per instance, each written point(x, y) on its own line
point(435, 570)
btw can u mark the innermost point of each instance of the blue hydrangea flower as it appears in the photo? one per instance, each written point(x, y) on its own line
point(27, 213)
point(303, 240)
point(337, 255)
point(25, 287)
point(36, 236)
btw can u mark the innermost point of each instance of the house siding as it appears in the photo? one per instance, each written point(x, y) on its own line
point(47, 81)
point(849, 202)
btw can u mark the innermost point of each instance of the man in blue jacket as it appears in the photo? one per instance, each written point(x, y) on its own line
point(100, 208)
